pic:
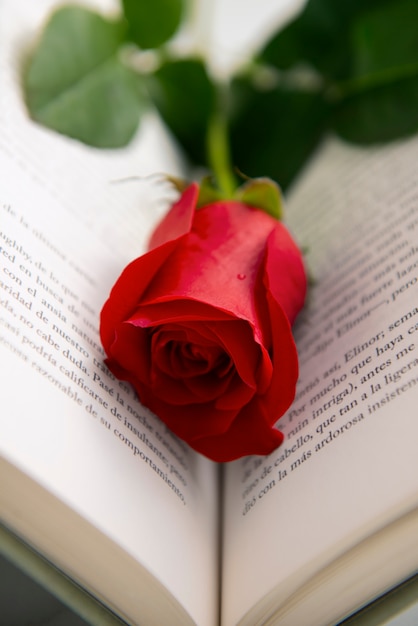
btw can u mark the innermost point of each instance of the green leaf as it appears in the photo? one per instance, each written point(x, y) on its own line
point(185, 98)
point(264, 194)
point(274, 132)
point(366, 53)
point(76, 84)
point(152, 23)
point(287, 48)
point(380, 101)
point(385, 39)
point(319, 37)
point(379, 114)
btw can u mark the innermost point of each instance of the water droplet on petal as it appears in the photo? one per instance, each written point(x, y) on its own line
point(241, 276)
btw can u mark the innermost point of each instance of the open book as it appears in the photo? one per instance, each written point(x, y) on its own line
point(95, 483)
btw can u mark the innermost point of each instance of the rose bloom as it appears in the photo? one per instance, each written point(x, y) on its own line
point(200, 325)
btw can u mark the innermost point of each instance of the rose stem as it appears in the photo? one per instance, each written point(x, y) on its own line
point(219, 156)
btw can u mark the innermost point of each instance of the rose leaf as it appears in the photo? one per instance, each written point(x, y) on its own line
point(319, 36)
point(274, 131)
point(184, 96)
point(76, 84)
point(385, 39)
point(379, 114)
point(152, 23)
point(380, 100)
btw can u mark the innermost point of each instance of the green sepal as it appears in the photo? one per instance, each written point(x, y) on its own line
point(180, 184)
point(208, 193)
point(263, 193)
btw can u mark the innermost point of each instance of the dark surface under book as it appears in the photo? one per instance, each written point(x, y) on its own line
point(33, 592)
point(57, 601)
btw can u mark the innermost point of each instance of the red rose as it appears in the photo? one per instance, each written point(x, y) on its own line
point(201, 325)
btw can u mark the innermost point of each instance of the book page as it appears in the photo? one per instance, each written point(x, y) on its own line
point(66, 231)
point(348, 464)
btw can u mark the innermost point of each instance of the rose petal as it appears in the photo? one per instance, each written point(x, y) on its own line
point(177, 357)
point(237, 338)
point(178, 220)
point(232, 384)
point(168, 309)
point(235, 335)
point(190, 391)
point(131, 352)
point(130, 286)
point(189, 421)
point(249, 433)
point(218, 260)
point(282, 390)
point(237, 396)
point(285, 272)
